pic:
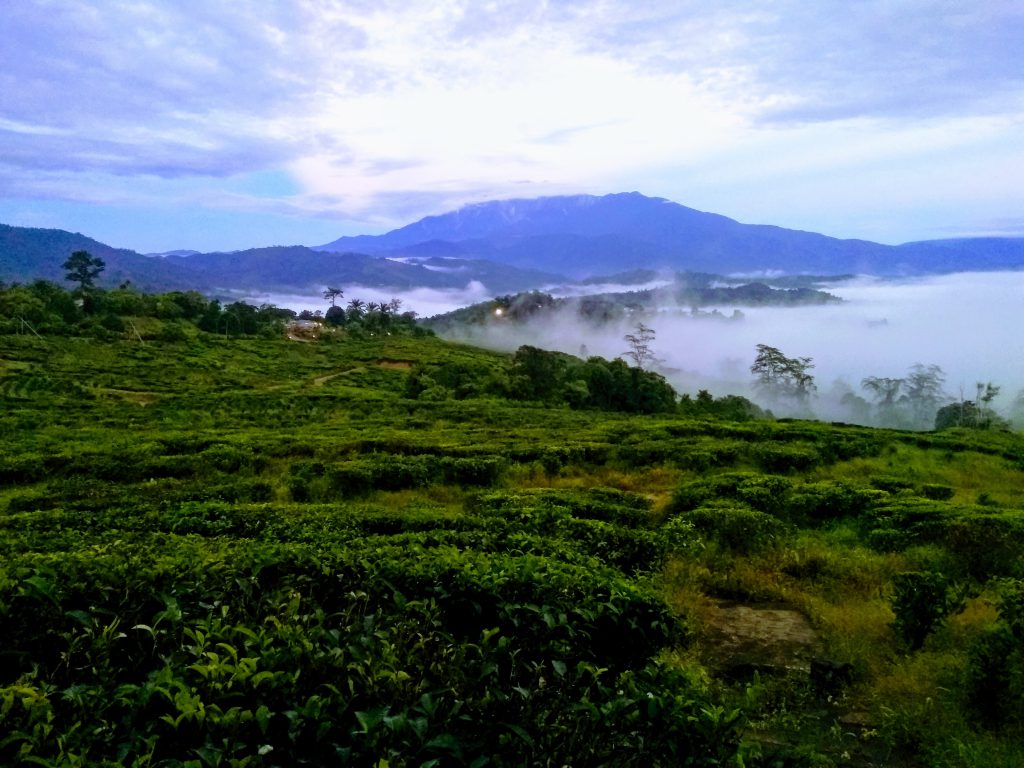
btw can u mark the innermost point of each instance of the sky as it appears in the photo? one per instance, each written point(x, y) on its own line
point(158, 125)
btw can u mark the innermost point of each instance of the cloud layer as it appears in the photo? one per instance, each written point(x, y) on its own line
point(877, 119)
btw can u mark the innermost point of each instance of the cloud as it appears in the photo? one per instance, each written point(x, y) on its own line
point(388, 110)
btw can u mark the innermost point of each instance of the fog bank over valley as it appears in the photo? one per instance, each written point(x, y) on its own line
point(969, 324)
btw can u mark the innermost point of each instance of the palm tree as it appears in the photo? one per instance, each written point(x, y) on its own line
point(356, 307)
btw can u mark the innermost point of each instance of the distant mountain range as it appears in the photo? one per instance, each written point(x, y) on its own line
point(27, 254)
point(510, 246)
point(584, 235)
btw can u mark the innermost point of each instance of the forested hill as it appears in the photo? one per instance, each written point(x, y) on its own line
point(31, 253)
point(27, 254)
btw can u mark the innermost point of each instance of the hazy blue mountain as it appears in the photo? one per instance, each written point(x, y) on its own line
point(954, 255)
point(511, 246)
point(27, 254)
point(584, 235)
point(297, 267)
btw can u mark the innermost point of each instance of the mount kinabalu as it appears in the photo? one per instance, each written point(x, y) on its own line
point(584, 235)
point(510, 246)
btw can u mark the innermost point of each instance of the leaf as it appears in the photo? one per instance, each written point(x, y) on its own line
point(521, 733)
point(82, 617)
point(371, 719)
point(263, 715)
point(445, 741)
point(559, 667)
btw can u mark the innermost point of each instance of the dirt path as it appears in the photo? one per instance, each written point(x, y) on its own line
point(319, 381)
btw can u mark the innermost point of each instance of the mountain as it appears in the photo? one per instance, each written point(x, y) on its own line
point(584, 235)
point(511, 246)
point(28, 254)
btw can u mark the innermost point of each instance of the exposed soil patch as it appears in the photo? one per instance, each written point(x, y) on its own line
point(394, 365)
point(758, 637)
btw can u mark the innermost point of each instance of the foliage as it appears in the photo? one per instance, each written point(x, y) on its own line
point(83, 268)
point(995, 679)
point(640, 351)
point(920, 602)
point(248, 550)
point(781, 378)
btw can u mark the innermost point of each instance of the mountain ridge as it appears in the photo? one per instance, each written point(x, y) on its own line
point(513, 245)
point(576, 232)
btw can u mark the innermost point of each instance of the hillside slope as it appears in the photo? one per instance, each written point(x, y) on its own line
point(273, 552)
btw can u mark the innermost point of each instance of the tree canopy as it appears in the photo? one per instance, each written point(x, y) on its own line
point(83, 268)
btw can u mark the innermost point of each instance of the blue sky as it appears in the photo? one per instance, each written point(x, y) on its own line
point(191, 124)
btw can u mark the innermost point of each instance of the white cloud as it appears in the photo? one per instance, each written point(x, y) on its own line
point(388, 110)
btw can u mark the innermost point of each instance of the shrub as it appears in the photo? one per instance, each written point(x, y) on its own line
point(921, 600)
point(786, 458)
point(995, 672)
point(937, 492)
point(737, 527)
point(829, 501)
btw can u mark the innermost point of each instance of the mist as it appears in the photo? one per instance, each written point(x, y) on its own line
point(425, 302)
point(969, 324)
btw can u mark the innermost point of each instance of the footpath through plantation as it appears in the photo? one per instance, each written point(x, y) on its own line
point(261, 552)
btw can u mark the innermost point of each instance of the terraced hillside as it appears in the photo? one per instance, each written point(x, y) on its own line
point(265, 552)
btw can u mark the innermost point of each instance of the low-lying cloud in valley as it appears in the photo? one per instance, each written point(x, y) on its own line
point(968, 324)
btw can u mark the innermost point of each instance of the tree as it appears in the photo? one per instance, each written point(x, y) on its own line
point(923, 393)
point(536, 374)
point(986, 393)
point(332, 294)
point(780, 377)
point(885, 392)
point(335, 316)
point(356, 308)
point(83, 268)
point(640, 346)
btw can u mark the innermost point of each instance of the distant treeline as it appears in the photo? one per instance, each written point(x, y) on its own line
point(45, 307)
point(690, 291)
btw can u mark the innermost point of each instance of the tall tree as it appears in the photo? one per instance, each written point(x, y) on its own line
point(640, 351)
point(923, 393)
point(332, 294)
point(783, 378)
point(885, 392)
point(986, 393)
point(83, 268)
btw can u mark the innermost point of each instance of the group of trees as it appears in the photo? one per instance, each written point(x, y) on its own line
point(915, 401)
point(370, 316)
point(43, 306)
point(783, 380)
point(538, 375)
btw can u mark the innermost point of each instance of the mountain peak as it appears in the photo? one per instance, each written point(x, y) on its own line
point(583, 235)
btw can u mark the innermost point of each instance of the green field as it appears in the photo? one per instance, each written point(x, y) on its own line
point(254, 551)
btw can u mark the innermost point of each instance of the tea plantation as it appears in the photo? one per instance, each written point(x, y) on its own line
point(269, 552)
